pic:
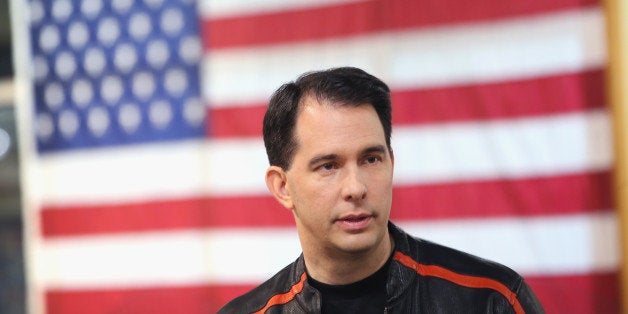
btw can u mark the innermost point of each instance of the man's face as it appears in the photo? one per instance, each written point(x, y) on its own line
point(340, 181)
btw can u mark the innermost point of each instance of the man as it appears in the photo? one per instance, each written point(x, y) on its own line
point(327, 137)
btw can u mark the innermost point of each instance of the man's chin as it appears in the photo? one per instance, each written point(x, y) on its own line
point(358, 244)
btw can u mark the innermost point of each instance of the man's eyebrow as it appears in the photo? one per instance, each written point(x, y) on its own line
point(374, 149)
point(327, 157)
point(317, 159)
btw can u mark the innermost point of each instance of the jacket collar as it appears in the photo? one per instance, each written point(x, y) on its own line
point(309, 299)
point(400, 278)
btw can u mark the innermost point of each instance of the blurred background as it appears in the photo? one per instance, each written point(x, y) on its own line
point(12, 284)
point(139, 186)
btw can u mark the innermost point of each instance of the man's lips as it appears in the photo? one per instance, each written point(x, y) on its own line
point(354, 217)
point(355, 222)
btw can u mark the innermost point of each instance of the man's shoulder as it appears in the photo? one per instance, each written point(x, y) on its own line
point(456, 262)
point(455, 270)
point(258, 297)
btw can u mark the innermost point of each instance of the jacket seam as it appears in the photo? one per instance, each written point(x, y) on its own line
point(283, 298)
point(460, 279)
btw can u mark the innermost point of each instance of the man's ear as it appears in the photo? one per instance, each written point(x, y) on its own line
point(276, 182)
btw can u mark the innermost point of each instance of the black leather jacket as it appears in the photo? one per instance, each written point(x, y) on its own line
point(424, 277)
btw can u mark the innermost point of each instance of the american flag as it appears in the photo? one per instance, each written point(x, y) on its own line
point(143, 162)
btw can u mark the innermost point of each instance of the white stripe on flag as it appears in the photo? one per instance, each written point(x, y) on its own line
point(558, 144)
point(507, 49)
point(227, 8)
point(513, 148)
point(548, 245)
point(529, 245)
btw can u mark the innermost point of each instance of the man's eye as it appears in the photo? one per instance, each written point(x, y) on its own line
point(328, 166)
point(372, 159)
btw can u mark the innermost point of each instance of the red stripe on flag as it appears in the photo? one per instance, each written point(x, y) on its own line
point(562, 93)
point(507, 99)
point(225, 212)
point(361, 17)
point(522, 197)
point(590, 293)
point(576, 193)
point(154, 300)
point(235, 121)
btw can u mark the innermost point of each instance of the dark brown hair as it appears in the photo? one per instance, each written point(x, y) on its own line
point(338, 86)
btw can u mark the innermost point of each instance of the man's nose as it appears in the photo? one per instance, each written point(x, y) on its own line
point(354, 187)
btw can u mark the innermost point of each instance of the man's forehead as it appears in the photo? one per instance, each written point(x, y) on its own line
point(311, 100)
point(329, 126)
point(312, 103)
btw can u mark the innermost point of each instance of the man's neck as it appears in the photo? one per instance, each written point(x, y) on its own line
point(340, 268)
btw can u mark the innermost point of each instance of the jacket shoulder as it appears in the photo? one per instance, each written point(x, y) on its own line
point(432, 260)
point(258, 297)
point(466, 264)
point(429, 253)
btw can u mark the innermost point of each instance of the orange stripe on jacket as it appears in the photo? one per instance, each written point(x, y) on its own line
point(463, 280)
point(284, 298)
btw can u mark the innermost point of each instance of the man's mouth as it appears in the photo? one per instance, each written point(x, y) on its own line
point(355, 222)
point(353, 219)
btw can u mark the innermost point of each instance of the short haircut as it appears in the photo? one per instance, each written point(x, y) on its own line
point(344, 86)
